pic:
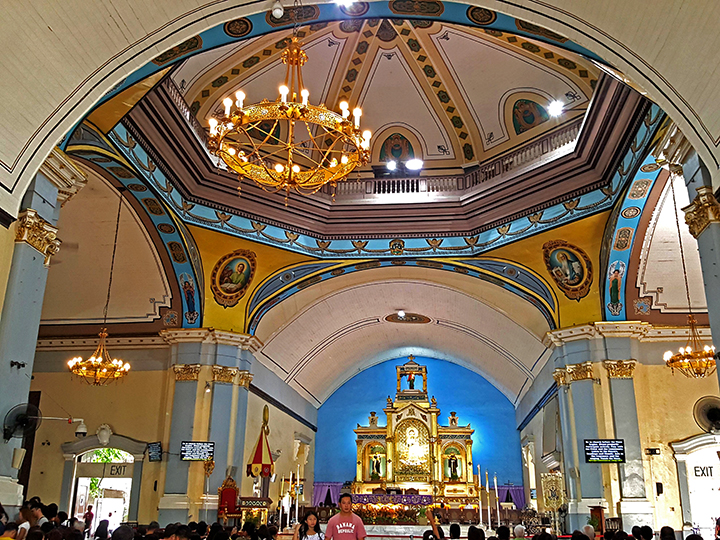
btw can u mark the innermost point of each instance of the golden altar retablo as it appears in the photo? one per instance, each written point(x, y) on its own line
point(412, 453)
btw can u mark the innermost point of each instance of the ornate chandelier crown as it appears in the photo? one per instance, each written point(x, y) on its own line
point(289, 144)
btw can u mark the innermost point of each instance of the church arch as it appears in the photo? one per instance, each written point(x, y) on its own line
point(25, 157)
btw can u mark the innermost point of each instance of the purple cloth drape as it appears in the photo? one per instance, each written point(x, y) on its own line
point(320, 490)
point(517, 494)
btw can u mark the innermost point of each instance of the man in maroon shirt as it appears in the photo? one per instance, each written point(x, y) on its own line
point(87, 518)
point(345, 525)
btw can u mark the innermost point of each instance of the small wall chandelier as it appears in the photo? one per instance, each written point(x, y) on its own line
point(100, 369)
point(289, 144)
point(695, 360)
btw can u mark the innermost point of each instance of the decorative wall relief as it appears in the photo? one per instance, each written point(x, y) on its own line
point(570, 267)
point(231, 277)
point(189, 291)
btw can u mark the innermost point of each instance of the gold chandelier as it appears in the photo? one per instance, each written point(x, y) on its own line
point(289, 144)
point(100, 369)
point(695, 360)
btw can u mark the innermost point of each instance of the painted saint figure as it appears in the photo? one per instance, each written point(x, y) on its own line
point(411, 381)
point(615, 284)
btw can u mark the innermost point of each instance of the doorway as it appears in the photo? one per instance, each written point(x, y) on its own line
point(103, 481)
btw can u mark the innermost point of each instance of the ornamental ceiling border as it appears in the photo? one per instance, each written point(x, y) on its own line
point(88, 144)
point(613, 280)
point(205, 215)
point(510, 276)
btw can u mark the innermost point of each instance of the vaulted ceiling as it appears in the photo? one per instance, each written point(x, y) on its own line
point(450, 89)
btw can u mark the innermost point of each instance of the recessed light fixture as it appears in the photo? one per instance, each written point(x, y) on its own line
point(555, 108)
point(414, 164)
point(391, 165)
point(345, 3)
point(401, 314)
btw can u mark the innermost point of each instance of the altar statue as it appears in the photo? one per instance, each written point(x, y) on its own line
point(377, 462)
point(411, 381)
point(453, 465)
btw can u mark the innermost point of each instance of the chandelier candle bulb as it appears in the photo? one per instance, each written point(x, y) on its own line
point(305, 93)
point(357, 113)
point(213, 126)
point(345, 108)
point(283, 93)
point(228, 103)
point(240, 99)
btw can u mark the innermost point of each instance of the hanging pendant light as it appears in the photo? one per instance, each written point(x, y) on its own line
point(694, 360)
point(101, 369)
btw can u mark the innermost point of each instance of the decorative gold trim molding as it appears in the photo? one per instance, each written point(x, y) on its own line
point(37, 233)
point(223, 374)
point(560, 376)
point(580, 372)
point(186, 372)
point(702, 211)
point(244, 378)
point(642, 331)
point(620, 369)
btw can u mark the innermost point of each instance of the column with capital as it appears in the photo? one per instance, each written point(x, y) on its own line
point(211, 369)
point(575, 376)
point(635, 508)
point(36, 241)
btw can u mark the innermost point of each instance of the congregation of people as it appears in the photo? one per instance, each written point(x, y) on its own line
point(36, 521)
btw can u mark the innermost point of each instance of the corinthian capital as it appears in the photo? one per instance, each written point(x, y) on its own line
point(702, 211)
point(38, 233)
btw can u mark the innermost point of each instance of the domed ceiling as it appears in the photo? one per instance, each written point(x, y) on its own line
point(456, 95)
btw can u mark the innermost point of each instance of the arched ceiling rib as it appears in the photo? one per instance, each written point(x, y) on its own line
point(317, 339)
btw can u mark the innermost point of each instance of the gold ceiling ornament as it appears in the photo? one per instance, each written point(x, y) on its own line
point(38, 233)
point(695, 360)
point(101, 369)
point(288, 144)
point(702, 211)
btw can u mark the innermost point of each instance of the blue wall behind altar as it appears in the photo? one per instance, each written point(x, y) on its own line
point(496, 442)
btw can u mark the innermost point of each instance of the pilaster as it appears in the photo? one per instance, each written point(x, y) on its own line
point(212, 372)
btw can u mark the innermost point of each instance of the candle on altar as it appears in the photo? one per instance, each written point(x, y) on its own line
point(280, 500)
point(297, 495)
point(480, 516)
point(497, 499)
point(487, 488)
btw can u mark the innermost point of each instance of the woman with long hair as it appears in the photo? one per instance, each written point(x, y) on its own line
point(24, 523)
point(309, 528)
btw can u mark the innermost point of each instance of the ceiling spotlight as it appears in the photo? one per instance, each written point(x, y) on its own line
point(207, 387)
point(555, 108)
point(414, 164)
point(345, 3)
point(391, 165)
point(401, 314)
point(278, 10)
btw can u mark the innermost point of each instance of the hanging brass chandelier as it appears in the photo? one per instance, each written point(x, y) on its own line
point(694, 360)
point(289, 144)
point(100, 369)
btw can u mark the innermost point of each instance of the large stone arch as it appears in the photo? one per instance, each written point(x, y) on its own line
point(56, 93)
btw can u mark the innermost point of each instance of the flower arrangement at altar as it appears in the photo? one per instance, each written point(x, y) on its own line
point(387, 514)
